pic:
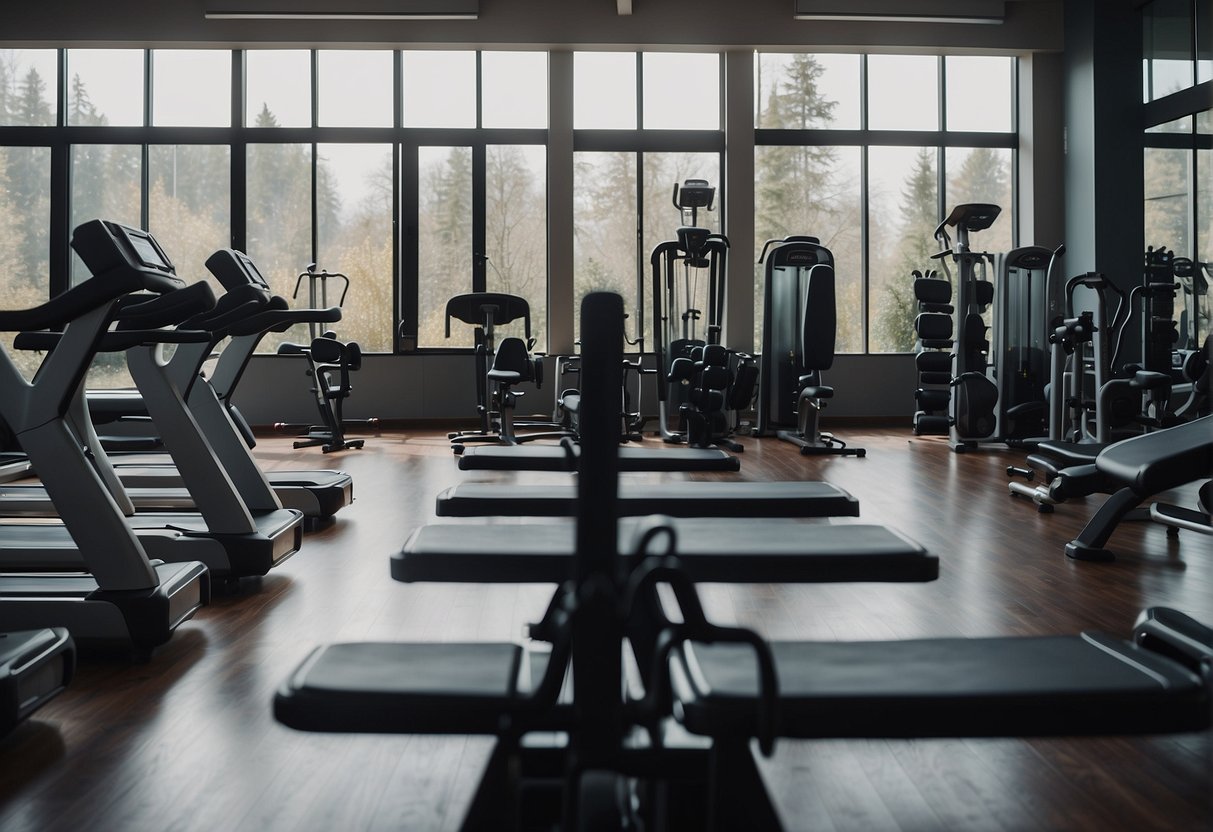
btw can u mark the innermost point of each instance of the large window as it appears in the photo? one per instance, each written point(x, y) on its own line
point(422, 174)
point(1178, 139)
point(872, 175)
point(631, 151)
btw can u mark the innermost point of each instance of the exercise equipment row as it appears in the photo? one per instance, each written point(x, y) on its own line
point(617, 753)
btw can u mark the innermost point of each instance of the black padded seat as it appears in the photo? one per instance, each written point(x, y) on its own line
point(778, 551)
point(1057, 454)
point(1143, 466)
point(417, 688)
point(988, 687)
point(679, 499)
point(554, 458)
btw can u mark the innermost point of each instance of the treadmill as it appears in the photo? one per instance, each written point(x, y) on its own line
point(123, 599)
point(240, 529)
point(155, 483)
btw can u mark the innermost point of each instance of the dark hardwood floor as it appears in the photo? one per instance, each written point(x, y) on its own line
point(188, 741)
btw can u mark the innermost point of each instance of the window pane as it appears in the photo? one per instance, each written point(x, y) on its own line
point(27, 87)
point(105, 87)
point(1167, 199)
point(902, 92)
point(444, 259)
point(354, 235)
point(516, 227)
point(604, 90)
point(661, 219)
point(514, 89)
point(191, 88)
point(1180, 125)
point(1167, 31)
point(795, 92)
point(979, 93)
point(1204, 41)
point(813, 191)
point(681, 91)
point(451, 103)
point(902, 214)
point(604, 230)
point(105, 185)
point(278, 88)
point(982, 174)
point(189, 204)
point(355, 88)
point(25, 217)
point(279, 205)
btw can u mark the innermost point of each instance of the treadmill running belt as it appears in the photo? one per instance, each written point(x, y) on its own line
point(680, 499)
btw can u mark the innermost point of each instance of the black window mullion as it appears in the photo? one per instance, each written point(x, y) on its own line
point(315, 255)
point(642, 261)
point(410, 245)
point(238, 153)
point(313, 258)
point(479, 224)
point(60, 231)
point(865, 270)
point(400, 317)
point(144, 153)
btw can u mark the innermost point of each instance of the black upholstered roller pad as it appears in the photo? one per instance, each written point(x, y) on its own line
point(680, 499)
point(1062, 685)
point(418, 688)
point(711, 550)
point(553, 458)
point(1154, 462)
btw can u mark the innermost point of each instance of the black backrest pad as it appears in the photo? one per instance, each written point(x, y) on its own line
point(469, 308)
point(817, 339)
point(512, 356)
point(1154, 462)
point(932, 290)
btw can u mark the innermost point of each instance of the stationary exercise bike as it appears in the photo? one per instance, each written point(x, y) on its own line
point(500, 367)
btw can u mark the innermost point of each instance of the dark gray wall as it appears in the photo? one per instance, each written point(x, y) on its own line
point(1103, 139)
point(1029, 25)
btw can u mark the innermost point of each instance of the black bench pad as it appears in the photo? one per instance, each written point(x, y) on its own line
point(554, 458)
point(1155, 462)
point(411, 688)
point(991, 687)
point(711, 550)
point(681, 499)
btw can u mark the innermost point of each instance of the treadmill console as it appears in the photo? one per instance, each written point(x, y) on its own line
point(234, 269)
point(107, 246)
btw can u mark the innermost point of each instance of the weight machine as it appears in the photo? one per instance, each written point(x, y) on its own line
point(698, 379)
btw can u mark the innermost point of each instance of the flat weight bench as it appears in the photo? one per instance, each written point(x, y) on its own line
point(779, 551)
point(954, 687)
point(682, 499)
point(1143, 466)
point(554, 458)
point(468, 688)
